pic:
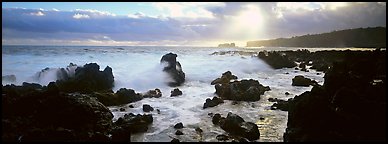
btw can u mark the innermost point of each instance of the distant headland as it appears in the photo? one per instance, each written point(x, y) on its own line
point(359, 37)
point(227, 45)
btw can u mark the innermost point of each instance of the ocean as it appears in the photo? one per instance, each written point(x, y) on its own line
point(139, 68)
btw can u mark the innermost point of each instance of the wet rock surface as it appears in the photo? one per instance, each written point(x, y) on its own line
point(212, 102)
point(302, 81)
point(244, 90)
point(225, 78)
point(87, 79)
point(37, 114)
point(176, 92)
point(153, 94)
point(236, 125)
point(174, 69)
point(350, 106)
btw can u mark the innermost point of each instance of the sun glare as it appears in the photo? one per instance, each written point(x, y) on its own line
point(247, 24)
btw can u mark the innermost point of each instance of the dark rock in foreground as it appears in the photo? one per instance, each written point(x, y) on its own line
point(244, 90)
point(87, 79)
point(122, 96)
point(175, 140)
point(280, 104)
point(153, 94)
point(178, 126)
point(225, 78)
point(236, 125)
point(129, 124)
point(350, 106)
point(302, 81)
point(147, 108)
point(38, 114)
point(178, 132)
point(176, 92)
point(174, 69)
point(212, 102)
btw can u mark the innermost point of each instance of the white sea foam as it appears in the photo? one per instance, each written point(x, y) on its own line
point(139, 68)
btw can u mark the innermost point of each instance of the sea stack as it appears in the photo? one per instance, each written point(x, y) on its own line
point(174, 69)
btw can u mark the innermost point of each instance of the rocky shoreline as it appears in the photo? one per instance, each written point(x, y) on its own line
point(74, 108)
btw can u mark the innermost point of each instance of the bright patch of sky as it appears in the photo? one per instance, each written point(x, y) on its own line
point(178, 23)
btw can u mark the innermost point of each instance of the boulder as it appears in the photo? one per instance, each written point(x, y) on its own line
point(178, 126)
point(225, 78)
point(175, 140)
point(152, 94)
point(236, 125)
point(174, 69)
point(147, 108)
point(244, 90)
point(176, 92)
point(212, 102)
point(178, 132)
point(122, 96)
point(302, 81)
point(132, 123)
point(216, 118)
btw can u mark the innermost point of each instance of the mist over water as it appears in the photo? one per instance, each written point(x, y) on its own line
point(139, 68)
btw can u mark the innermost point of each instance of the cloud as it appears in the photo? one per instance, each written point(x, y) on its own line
point(187, 23)
point(81, 16)
point(39, 13)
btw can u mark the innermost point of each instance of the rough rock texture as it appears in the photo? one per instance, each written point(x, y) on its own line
point(225, 78)
point(147, 108)
point(153, 94)
point(212, 102)
point(133, 123)
point(276, 59)
point(88, 79)
point(35, 113)
point(280, 104)
point(178, 126)
point(122, 96)
point(174, 69)
point(176, 92)
point(302, 81)
point(350, 106)
point(236, 125)
point(244, 90)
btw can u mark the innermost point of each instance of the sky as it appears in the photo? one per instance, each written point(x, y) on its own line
point(178, 23)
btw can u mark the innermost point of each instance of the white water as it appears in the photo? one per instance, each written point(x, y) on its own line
point(139, 68)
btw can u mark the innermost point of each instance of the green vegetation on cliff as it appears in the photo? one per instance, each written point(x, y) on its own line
point(360, 37)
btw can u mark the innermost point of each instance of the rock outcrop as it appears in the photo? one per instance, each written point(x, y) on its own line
point(212, 102)
point(88, 79)
point(35, 113)
point(153, 94)
point(350, 106)
point(276, 59)
point(174, 69)
point(244, 90)
point(225, 78)
point(302, 81)
point(122, 96)
point(236, 125)
point(176, 92)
